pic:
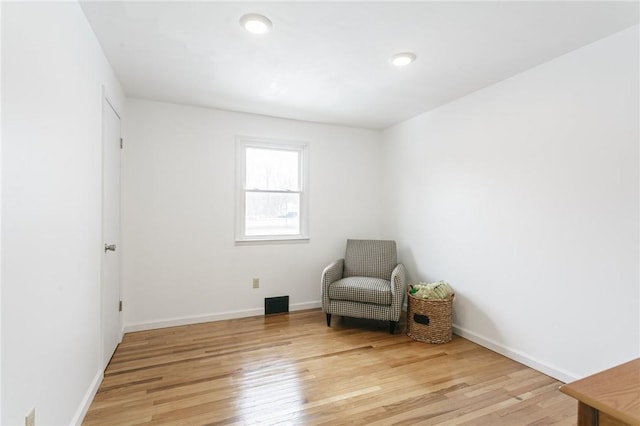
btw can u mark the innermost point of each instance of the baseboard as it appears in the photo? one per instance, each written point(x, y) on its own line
point(88, 398)
point(515, 355)
point(196, 319)
point(305, 305)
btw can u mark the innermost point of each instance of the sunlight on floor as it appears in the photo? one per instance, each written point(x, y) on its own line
point(262, 398)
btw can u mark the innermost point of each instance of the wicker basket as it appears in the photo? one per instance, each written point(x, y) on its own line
point(429, 320)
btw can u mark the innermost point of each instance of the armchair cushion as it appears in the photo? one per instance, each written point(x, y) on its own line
point(362, 289)
point(370, 258)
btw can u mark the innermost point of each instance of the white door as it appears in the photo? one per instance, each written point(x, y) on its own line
point(111, 326)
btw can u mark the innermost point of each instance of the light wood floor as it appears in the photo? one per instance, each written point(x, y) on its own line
point(292, 369)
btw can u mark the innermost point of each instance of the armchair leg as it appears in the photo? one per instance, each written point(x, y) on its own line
point(392, 326)
point(328, 320)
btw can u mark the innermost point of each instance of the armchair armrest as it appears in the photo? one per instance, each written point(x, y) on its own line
point(331, 274)
point(398, 291)
point(398, 283)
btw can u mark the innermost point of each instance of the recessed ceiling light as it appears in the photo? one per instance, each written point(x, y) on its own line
point(402, 59)
point(255, 23)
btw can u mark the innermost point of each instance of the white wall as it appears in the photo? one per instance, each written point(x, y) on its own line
point(180, 263)
point(0, 209)
point(52, 72)
point(524, 196)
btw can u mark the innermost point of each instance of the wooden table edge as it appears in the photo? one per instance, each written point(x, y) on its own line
point(582, 390)
point(585, 399)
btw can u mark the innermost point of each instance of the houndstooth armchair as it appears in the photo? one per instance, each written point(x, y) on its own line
point(367, 283)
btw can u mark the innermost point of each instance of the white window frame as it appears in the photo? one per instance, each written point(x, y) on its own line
point(244, 142)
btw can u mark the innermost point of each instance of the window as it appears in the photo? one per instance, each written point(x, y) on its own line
point(272, 190)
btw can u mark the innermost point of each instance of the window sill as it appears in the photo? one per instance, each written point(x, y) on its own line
point(272, 240)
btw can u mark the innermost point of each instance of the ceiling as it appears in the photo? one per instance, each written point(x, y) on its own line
point(328, 61)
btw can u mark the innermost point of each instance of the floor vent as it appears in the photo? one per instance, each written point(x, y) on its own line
point(276, 305)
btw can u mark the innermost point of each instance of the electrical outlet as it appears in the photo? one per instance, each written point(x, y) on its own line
point(256, 283)
point(30, 419)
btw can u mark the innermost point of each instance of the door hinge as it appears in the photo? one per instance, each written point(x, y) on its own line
point(120, 306)
point(120, 143)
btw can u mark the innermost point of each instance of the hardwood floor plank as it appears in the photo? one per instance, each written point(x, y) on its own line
point(292, 369)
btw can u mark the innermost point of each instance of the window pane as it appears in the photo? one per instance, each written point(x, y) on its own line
point(272, 214)
point(271, 169)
